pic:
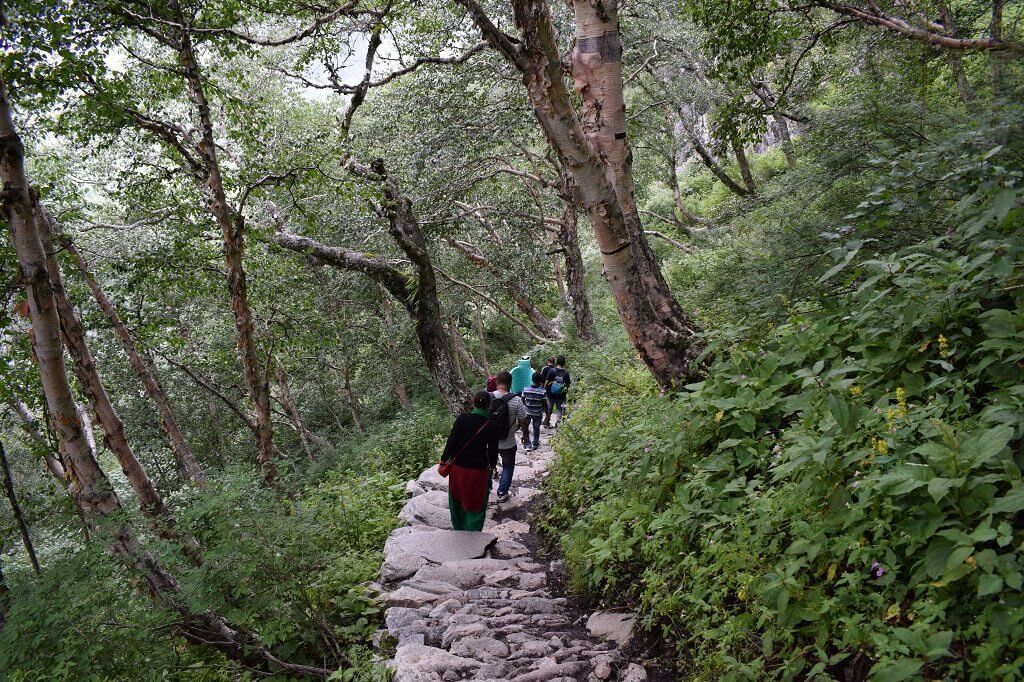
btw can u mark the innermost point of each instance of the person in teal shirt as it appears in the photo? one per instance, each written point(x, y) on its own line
point(522, 375)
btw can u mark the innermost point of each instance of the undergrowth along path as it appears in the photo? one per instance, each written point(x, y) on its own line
point(486, 606)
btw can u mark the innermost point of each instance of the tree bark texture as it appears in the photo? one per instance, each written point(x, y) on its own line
point(30, 424)
point(150, 500)
point(142, 370)
point(232, 227)
point(593, 147)
point(417, 294)
point(12, 498)
point(575, 271)
point(89, 486)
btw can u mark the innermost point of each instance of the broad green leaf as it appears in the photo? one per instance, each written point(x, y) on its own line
point(989, 584)
point(896, 670)
point(938, 487)
point(980, 446)
point(1009, 503)
point(936, 556)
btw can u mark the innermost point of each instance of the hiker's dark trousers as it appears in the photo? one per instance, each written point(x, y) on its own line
point(508, 465)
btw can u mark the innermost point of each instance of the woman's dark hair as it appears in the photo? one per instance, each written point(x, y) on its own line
point(482, 400)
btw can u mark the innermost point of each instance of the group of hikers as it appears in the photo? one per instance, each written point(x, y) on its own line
point(487, 433)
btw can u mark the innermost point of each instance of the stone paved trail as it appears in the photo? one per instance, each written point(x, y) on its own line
point(482, 606)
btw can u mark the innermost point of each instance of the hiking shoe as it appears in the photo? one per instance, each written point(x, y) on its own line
point(502, 497)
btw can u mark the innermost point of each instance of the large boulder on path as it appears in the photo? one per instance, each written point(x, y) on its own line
point(430, 509)
point(442, 545)
point(431, 480)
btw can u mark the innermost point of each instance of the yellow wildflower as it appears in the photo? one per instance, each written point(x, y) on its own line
point(944, 346)
point(879, 445)
point(719, 415)
point(856, 391)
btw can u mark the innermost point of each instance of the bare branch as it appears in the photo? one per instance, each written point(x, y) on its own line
point(875, 16)
point(674, 242)
point(494, 304)
point(209, 387)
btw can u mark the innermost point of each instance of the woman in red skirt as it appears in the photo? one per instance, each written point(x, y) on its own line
point(472, 449)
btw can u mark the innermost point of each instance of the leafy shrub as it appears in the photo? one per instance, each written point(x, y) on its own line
point(847, 491)
point(295, 571)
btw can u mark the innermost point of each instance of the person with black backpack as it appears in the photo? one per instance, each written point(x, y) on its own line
point(509, 414)
point(545, 374)
point(558, 387)
point(470, 454)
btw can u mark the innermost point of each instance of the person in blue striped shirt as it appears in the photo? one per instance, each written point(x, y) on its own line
point(535, 399)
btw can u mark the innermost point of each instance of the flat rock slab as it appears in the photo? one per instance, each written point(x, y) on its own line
point(427, 659)
point(442, 545)
point(423, 509)
point(431, 480)
point(617, 627)
point(400, 566)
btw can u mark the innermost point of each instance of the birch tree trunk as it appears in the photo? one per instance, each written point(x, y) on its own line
point(232, 226)
point(89, 486)
point(596, 153)
point(12, 498)
point(150, 500)
point(391, 347)
point(30, 424)
point(347, 373)
point(141, 369)
point(568, 241)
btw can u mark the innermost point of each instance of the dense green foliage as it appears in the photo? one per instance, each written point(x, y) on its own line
point(841, 496)
point(295, 571)
point(846, 485)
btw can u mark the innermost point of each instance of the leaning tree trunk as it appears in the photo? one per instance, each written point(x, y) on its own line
point(150, 500)
point(744, 165)
point(142, 370)
point(597, 155)
point(89, 486)
point(515, 289)
point(232, 227)
point(12, 498)
point(391, 347)
point(417, 294)
point(568, 240)
point(30, 424)
point(306, 437)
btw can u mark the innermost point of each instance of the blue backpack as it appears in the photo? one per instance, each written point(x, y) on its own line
point(558, 386)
